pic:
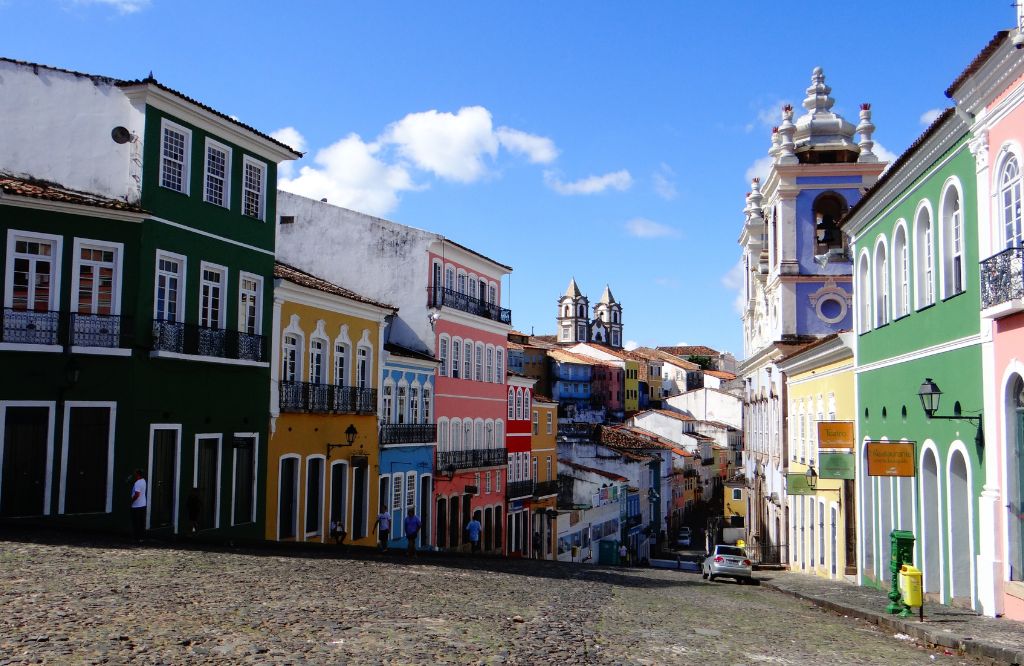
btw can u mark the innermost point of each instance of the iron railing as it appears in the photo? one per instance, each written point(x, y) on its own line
point(1002, 277)
point(767, 553)
point(407, 433)
point(456, 460)
point(543, 488)
point(450, 298)
point(31, 327)
point(326, 398)
point(182, 338)
point(96, 330)
point(517, 489)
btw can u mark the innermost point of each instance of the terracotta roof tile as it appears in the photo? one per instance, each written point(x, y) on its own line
point(721, 374)
point(593, 470)
point(40, 189)
point(978, 62)
point(691, 350)
point(304, 279)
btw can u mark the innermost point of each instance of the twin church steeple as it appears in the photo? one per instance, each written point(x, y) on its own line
point(575, 324)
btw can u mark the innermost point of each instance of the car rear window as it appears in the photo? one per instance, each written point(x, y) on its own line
point(731, 550)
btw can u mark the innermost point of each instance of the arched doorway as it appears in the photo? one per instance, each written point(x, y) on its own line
point(1014, 415)
point(931, 536)
point(488, 529)
point(453, 523)
point(959, 529)
point(867, 510)
point(442, 523)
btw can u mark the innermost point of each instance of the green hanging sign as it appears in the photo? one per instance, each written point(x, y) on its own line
point(796, 484)
point(836, 465)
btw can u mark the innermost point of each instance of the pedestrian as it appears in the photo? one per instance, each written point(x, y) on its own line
point(623, 554)
point(412, 528)
point(138, 506)
point(536, 545)
point(383, 528)
point(195, 508)
point(473, 530)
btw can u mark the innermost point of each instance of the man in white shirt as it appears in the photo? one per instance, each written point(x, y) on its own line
point(383, 528)
point(138, 506)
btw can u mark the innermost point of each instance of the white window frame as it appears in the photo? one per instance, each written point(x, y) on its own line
point(1018, 184)
point(426, 395)
point(387, 404)
point(948, 238)
point(900, 261)
point(880, 286)
point(499, 365)
point(255, 437)
point(345, 523)
point(924, 256)
point(181, 275)
point(478, 362)
point(176, 427)
point(186, 165)
point(415, 413)
point(549, 420)
point(862, 292)
point(366, 377)
point(300, 526)
point(52, 407)
point(410, 492)
point(222, 314)
point(467, 359)
point(88, 243)
point(319, 532)
point(15, 235)
point(195, 469)
point(345, 353)
point(325, 352)
point(66, 436)
point(226, 194)
point(402, 402)
point(257, 299)
point(444, 345)
point(248, 161)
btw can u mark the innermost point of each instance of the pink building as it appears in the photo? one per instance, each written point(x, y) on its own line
point(991, 91)
point(471, 329)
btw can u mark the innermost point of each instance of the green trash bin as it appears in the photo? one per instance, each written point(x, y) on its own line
point(901, 545)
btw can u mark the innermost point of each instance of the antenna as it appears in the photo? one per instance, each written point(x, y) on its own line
point(122, 135)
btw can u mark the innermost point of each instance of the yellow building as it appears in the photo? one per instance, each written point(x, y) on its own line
point(631, 399)
point(544, 449)
point(820, 486)
point(735, 511)
point(323, 448)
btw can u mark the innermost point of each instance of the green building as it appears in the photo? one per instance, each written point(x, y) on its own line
point(137, 280)
point(917, 301)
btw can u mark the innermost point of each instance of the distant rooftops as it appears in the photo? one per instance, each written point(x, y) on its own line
point(40, 189)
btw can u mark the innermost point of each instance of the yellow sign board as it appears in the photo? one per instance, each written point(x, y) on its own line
point(891, 458)
point(835, 434)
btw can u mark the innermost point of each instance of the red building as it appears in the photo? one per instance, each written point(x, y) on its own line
point(519, 474)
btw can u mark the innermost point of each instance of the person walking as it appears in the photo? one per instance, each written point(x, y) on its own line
point(536, 546)
point(412, 528)
point(623, 555)
point(473, 528)
point(383, 528)
point(138, 506)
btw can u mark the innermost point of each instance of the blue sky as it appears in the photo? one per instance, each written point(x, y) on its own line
point(610, 141)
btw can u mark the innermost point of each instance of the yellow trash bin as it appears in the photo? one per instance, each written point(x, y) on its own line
point(910, 585)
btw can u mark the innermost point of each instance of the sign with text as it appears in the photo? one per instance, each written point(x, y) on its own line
point(796, 484)
point(891, 458)
point(835, 435)
point(840, 465)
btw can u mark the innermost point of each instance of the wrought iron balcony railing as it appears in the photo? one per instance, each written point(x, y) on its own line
point(456, 460)
point(52, 327)
point(450, 298)
point(544, 488)
point(407, 433)
point(518, 489)
point(326, 398)
point(182, 338)
point(1002, 277)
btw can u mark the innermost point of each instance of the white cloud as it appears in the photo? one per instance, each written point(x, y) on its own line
point(930, 116)
point(664, 184)
point(616, 180)
point(644, 228)
point(122, 6)
point(682, 344)
point(630, 345)
point(451, 146)
point(770, 114)
point(290, 137)
point(759, 169)
point(352, 174)
point(538, 149)
point(883, 153)
point(734, 280)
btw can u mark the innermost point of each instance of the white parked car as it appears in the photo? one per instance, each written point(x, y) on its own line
point(728, 561)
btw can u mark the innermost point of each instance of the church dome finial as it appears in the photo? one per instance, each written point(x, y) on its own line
point(818, 92)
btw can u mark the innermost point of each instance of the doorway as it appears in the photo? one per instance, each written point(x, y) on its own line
point(163, 486)
point(288, 498)
point(25, 461)
point(207, 481)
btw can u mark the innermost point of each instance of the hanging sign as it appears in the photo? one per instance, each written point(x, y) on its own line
point(891, 458)
point(835, 435)
point(796, 484)
point(836, 465)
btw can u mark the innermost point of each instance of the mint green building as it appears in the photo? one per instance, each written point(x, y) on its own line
point(916, 287)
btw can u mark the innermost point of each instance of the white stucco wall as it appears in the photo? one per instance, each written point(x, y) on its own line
point(709, 405)
point(376, 258)
point(56, 127)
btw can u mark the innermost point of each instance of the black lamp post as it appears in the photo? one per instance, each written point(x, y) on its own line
point(929, 393)
point(350, 439)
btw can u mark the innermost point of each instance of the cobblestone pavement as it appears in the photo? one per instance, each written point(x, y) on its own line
point(104, 603)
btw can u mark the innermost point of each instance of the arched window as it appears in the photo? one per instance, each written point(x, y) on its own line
point(952, 243)
point(456, 358)
point(467, 434)
point(490, 364)
point(581, 311)
point(881, 285)
point(342, 351)
point(402, 403)
point(449, 278)
point(317, 360)
point(499, 365)
point(387, 401)
point(292, 363)
point(478, 440)
point(490, 434)
point(460, 282)
point(864, 293)
point(924, 280)
point(442, 355)
point(1010, 193)
point(511, 403)
point(364, 361)
point(526, 404)
point(456, 430)
point(499, 432)
point(442, 434)
point(479, 374)
point(567, 310)
point(519, 404)
point(828, 209)
point(900, 273)
point(467, 355)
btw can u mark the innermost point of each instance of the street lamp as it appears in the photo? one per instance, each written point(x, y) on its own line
point(929, 393)
point(812, 477)
point(350, 438)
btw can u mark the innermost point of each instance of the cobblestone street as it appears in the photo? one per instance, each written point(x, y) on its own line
point(103, 603)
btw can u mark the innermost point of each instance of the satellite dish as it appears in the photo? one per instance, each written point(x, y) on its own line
point(121, 135)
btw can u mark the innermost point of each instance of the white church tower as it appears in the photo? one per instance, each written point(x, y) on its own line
point(573, 315)
point(607, 325)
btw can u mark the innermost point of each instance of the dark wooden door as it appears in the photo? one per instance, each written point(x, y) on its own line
point(24, 461)
point(88, 454)
point(162, 491)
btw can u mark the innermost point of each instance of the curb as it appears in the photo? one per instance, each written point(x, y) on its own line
point(965, 645)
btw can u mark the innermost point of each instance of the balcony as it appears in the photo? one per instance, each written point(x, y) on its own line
point(545, 488)
point(519, 489)
point(450, 298)
point(407, 433)
point(456, 460)
point(53, 328)
point(1002, 283)
point(326, 398)
point(181, 338)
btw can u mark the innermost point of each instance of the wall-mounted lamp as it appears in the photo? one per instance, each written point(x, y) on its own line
point(350, 439)
point(812, 477)
point(930, 395)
